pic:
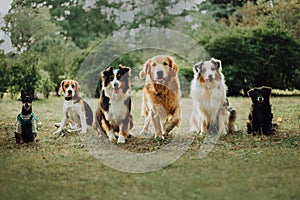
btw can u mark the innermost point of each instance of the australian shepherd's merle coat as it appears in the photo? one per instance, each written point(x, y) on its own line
point(210, 106)
point(260, 117)
point(113, 113)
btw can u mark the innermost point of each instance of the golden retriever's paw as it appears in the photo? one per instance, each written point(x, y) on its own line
point(168, 126)
point(159, 134)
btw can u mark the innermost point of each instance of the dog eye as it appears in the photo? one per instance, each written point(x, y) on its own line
point(66, 85)
point(73, 86)
point(154, 64)
point(213, 69)
point(165, 63)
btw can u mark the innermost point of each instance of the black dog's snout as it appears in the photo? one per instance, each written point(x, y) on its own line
point(260, 99)
point(160, 74)
point(69, 91)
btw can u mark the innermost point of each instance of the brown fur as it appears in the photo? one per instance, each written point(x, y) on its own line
point(164, 95)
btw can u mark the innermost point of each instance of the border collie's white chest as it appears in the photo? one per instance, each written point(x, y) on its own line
point(118, 109)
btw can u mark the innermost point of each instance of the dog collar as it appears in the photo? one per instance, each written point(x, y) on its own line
point(76, 100)
point(68, 98)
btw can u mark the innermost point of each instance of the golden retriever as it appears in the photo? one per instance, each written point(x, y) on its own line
point(161, 95)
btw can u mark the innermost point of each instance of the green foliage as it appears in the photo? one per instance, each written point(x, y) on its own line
point(257, 40)
point(256, 57)
point(45, 84)
point(22, 73)
point(27, 25)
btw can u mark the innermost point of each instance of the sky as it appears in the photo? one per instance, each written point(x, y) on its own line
point(4, 7)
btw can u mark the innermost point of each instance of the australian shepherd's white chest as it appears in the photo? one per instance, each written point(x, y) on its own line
point(113, 113)
point(210, 106)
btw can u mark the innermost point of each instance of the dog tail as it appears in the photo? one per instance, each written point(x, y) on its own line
point(88, 113)
point(232, 118)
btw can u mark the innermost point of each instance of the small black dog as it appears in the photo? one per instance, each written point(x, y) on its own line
point(260, 117)
point(26, 129)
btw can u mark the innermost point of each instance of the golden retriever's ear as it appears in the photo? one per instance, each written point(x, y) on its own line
point(145, 70)
point(173, 65)
point(61, 88)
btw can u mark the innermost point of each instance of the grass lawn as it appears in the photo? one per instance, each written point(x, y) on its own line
point(239, 167)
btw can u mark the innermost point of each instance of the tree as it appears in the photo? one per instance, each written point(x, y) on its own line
point(257, 57)
point(27, 25)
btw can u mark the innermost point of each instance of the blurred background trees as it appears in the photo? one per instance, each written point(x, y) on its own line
point(258, 41)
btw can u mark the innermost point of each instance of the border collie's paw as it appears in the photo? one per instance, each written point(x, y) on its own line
point(111, 136)
point(59, 130)
point(121, 139)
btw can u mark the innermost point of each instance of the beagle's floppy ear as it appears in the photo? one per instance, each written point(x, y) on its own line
point(61, 88)
point(77, 89)
point(145, 70)
point(217, 63)
point(173, 65)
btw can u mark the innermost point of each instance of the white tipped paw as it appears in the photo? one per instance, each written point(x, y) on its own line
point(58, 131)
point(121, 139)
point(111, 136)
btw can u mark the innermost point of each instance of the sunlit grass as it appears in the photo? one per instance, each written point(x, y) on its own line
point(239, 167)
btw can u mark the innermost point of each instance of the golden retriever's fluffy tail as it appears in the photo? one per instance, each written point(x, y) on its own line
point(232, 118)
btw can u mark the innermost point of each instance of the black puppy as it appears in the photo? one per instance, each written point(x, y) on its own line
point(260, 117)
point(26, 129)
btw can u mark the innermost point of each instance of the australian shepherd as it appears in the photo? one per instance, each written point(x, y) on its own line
point(113, 113)
point(161, 95)
point(210, 106)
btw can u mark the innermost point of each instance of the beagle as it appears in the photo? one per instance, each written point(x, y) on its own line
point(75, 109)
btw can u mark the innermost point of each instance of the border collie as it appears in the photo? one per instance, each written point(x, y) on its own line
point(113, 113)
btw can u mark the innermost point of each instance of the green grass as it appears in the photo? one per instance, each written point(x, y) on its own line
point(239, 167)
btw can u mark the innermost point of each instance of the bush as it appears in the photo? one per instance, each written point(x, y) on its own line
point(257, 57)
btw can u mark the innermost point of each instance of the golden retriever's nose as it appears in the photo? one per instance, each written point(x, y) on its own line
point(160, 74)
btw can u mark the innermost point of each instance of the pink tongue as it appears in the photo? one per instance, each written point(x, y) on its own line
point(116, 91)
point(160, 80)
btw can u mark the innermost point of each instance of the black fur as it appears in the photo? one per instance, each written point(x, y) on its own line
point(105, 102)
point(260, 117)
point(88, 113)
point(26, 125)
